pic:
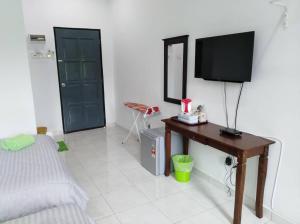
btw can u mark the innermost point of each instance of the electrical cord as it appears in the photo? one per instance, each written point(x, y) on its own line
point(228, 176)
point(237, 106)
point(277, 170)
point(226, 109)
point(234, 165)
point(229, 192)
point(256, 65)
point(229, 172)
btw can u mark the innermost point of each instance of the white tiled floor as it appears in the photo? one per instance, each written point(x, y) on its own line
point(121, 191)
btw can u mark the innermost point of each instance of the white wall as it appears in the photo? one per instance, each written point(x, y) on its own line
point(16, 103)
point(40, 18)
point(269, 105)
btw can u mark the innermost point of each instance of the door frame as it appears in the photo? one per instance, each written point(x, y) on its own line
point(101, 76)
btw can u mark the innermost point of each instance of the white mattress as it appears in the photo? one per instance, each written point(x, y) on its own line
point(66, 214)
point(35, 179)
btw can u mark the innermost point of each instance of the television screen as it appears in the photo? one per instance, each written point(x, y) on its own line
point(225, 58)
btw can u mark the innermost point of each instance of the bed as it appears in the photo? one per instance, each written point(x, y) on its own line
point(35, 179)
point(66, 214)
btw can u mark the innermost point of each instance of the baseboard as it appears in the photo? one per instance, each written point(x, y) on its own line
point(111, 125)
point(279, 219)
point(248, 201)
point(57, 135)
point(133, 134)
point(121, 126)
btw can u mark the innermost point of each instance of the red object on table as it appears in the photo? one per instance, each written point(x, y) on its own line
point(186, 102)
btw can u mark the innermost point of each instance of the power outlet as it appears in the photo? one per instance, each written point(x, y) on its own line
point(228, 161)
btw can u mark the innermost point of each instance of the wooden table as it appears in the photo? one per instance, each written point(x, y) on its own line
point(243, 147)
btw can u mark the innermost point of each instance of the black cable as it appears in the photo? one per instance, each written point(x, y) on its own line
point(229, 173)
point(237, 105)
point(234, 165)
point(229, 193)
point(226, 110)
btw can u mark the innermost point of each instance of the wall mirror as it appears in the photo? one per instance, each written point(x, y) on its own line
point(175, 68)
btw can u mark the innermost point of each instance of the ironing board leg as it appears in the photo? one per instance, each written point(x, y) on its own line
point(132, 127)
point(144, 121)
point(136, 126)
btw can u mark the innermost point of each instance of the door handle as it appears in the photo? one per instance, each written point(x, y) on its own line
point(63, 84)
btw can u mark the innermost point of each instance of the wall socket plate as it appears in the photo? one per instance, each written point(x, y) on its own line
point(228, 161)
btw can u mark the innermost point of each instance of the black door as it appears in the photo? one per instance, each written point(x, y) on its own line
point(80, 74)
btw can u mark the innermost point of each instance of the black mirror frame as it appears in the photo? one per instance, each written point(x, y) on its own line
point(167, 42)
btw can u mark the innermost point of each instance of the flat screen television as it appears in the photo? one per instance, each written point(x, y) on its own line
point(225, 58)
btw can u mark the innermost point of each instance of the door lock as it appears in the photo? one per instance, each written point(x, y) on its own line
point(63, 84)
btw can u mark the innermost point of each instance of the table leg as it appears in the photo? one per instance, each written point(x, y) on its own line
point(261, 180)
point(185, 142)
point(167, 151)
point(239, 191)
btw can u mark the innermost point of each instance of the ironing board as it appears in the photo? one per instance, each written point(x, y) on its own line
point(138, 110)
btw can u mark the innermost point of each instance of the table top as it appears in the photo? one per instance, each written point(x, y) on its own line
point(248, 144)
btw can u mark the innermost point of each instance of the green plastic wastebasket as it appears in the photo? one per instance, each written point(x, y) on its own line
point(183, 165)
